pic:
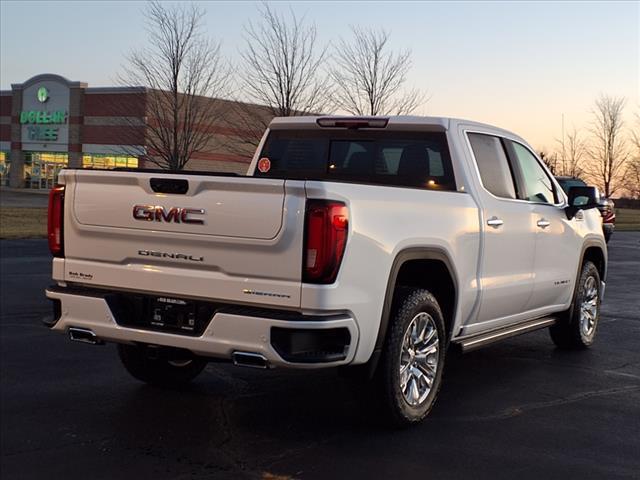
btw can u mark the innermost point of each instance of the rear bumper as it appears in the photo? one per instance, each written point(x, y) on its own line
point(225, 334)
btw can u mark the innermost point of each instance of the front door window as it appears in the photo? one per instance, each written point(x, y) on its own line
point(538, 186)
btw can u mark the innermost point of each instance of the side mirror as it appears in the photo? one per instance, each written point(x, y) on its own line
point(582, 198)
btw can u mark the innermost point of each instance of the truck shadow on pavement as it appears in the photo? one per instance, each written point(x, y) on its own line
point(235, 418)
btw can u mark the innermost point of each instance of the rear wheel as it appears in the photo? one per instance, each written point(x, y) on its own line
point(577, 327)
point(410, 372)
point(160, 366)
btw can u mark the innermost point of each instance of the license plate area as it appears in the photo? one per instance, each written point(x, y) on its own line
point(162, 313)
point(173, 314)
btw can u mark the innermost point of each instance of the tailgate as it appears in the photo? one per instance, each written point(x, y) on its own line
point(236, 239)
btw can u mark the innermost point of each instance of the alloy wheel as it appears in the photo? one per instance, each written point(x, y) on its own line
point(419, 359)
point(589, 307)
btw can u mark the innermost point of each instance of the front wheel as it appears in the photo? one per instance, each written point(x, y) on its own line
point(160, 366)
point(577, 327)
point(412, 362)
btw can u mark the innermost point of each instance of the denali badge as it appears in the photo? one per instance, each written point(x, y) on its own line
point(158, 213)
point(177, 256)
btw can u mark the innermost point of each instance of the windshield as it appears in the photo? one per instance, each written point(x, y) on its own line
point(567, 183)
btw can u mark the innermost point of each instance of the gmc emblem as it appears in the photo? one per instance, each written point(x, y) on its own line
point(158, 213)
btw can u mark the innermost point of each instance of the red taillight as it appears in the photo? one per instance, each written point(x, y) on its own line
point(326, 228)
point(54, 221)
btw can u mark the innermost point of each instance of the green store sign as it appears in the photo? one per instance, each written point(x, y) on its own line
point(42, 94)
point(41, 133)
point(43, 126)
point(42, 118)
point(40, 125)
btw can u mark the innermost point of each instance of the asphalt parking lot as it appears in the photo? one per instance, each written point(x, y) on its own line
point(518, 409)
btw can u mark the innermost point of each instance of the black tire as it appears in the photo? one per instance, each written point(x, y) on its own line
point(160, 366)
point(410, 305)
point(570, 332)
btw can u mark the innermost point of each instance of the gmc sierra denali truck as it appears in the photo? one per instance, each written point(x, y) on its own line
point(371, 242)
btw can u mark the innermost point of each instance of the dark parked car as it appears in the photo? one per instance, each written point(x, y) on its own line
point(606, 205)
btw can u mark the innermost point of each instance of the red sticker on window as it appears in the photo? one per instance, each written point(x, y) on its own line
point(264, 165)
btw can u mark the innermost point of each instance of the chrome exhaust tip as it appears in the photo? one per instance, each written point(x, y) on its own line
point(84, 335)
point(250, 359)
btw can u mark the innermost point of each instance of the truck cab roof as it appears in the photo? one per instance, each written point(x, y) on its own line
point(394, 122)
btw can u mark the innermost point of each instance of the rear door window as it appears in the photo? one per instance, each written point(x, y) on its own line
point(409, 159)
point(493, 165)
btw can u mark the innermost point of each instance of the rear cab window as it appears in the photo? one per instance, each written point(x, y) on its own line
point(408, 159)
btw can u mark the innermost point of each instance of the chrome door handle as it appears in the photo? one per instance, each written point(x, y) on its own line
point(542, 223)
point(494, 222)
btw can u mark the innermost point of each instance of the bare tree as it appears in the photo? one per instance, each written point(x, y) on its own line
point(550, 160)
point(182, 69)
point(282, 71)
point(573, 150)
point(633, 178)
point(608, 152)
point(369, 79)
point(632, 175)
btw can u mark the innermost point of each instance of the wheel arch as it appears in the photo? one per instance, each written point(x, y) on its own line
point(594, 252)
point(406, 266)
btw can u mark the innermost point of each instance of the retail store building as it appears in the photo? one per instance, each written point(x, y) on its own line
point(48, 123)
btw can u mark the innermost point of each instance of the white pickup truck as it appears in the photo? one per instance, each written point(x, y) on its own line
point(371, 242)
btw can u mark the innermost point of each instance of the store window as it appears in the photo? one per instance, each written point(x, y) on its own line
point(5, 164)
point(91, 160)
point(41, 169)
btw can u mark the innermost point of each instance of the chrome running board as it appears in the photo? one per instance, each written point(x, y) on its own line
point(483, 339)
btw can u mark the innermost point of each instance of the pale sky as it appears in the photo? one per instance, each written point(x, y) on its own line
point(517, 65)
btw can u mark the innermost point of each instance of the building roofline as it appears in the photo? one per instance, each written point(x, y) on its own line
point(103, 90)
point(43, 77)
